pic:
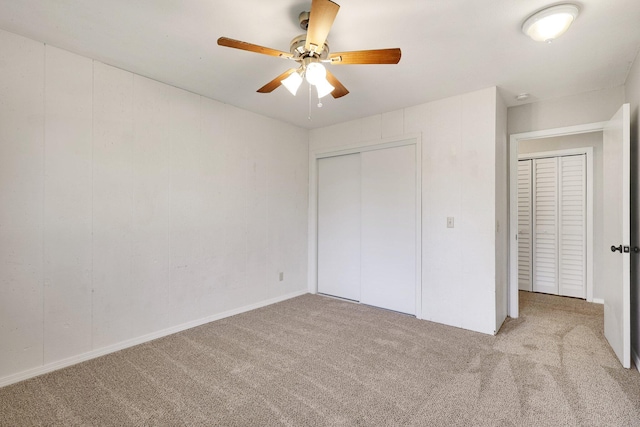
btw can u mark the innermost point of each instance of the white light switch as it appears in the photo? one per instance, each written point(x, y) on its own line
point(281, 276)
point(449, 222)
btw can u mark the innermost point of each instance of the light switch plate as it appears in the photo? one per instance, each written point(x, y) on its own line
point(449, 222)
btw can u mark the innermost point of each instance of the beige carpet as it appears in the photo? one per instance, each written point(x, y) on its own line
point(314, 360)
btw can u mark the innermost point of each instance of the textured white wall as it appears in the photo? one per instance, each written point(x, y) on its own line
point(21, 203)
point(129, 208)
point(459, 180)
point(632, 96)
point(67, 205)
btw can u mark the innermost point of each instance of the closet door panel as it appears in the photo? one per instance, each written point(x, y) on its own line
point(572, 226)
point(525, 211)
point(339, 226)
point(545, 225)
point(389, 228)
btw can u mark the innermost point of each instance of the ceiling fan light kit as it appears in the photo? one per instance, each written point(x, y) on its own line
point(293, 82)
point(550, 23)
point(315, 73)
point(324, 88)
point(310, 50)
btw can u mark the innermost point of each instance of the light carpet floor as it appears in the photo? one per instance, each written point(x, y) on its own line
point(318, 361)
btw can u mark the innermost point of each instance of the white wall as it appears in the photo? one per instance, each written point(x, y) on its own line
point(594, 140)
point(502, 213)
point(130, 209)
point(632, 96)
point(459, 180)
point(589, 107)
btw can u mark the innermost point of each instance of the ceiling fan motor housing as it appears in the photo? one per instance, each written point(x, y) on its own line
point(303, 18)
point(297, 49)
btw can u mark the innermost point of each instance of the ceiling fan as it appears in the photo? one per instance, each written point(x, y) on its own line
point(311, 50)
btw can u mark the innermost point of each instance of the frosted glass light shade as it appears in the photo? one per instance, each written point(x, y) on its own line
point(293, 82)
point(324, 88)
point(550, 23)
point(315, 72)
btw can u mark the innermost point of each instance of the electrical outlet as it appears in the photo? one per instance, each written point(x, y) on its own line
point(281, 276)
point(449, 222)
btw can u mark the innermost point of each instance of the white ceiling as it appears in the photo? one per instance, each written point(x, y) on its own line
point(448, 47)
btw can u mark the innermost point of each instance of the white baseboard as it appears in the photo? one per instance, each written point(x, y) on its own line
point(598, 301)
point(50, 367)
point(636, 359)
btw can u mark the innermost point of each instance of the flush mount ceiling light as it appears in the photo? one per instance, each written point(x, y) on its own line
point(550, 23)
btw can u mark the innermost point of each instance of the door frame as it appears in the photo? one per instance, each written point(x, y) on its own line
point(588, 152)
point(514, 139)
point(380, 144)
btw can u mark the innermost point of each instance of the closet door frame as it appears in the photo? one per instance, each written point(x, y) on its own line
point(380, 144)
point(529, 287)
point(588, 152)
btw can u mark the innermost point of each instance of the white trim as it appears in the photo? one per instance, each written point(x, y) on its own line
point(373, 145)
point(379, 144)
point(555, 153)
point(50, 367)
point(568, 130)
point(588, 151)
point(513, 199)
point(598, 301)
point(418, 227)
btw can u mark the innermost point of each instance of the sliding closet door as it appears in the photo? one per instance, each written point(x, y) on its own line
point(572, 226)
point(339, 226)
point(545, 226)
point(389, 228)
point(525, 209)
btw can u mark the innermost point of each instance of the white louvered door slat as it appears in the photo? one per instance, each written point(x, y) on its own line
point(525, 252)
point(545, 225)
point(572, 226)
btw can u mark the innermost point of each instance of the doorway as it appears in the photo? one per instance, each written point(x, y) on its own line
point(537, 141)
point(616, 224)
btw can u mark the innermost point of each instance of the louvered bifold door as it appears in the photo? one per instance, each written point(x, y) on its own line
point(525, 252)
point(545, 225)
point(572, 226)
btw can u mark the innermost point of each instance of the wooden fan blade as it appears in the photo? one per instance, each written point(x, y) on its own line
point(321, 17)
point(273, 84)
point(339, 90)
point(377, 56)
point(237, 44)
